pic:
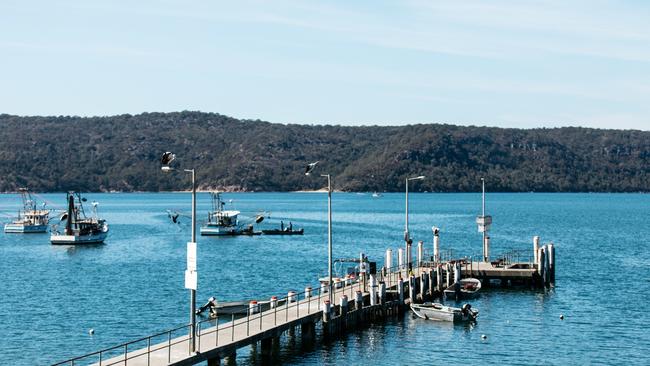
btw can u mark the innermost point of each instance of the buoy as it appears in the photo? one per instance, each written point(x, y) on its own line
point(91, 331)
point(483, 336)
point(561, 316)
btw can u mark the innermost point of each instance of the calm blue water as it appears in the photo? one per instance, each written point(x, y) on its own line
point(133, 285)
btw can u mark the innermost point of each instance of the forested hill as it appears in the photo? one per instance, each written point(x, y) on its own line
point(122, 153)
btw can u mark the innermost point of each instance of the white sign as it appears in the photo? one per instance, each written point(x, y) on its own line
point(191, 256)
point(191, 280)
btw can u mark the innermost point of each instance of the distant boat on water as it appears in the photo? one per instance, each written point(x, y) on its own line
point(376, 195)
point(225, 222)
point(79, 228)
point(30, 219)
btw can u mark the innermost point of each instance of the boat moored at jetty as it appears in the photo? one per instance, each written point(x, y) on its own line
point(435, 311)
point(30, 219)
point(80, 229)
point(468, 289)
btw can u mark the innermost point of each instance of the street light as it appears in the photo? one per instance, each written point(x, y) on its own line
point(191, 276)
point(310, 168)
point(407, 237)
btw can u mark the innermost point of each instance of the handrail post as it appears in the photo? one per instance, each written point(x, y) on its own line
point(248, 319)
point(260, 317)
point(216, 340)
point(126, 349)
point(169, 347)
point(148, 351)
point(232, 337)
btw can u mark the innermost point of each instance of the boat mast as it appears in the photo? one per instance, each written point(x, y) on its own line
point(68, 223)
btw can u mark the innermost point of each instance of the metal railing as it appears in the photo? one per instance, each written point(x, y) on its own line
point(223, 333)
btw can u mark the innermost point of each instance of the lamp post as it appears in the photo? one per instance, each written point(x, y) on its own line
point(407, 237)
point(191, 275)
point(330, 286)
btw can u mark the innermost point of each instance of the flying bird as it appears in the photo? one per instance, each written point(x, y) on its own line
point(167, 158)
point(310, 167)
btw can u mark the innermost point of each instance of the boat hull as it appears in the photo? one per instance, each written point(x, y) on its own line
point(220, 231)
point(78, 239)
point(440, 312)
point(469, 289)
point(25, 229)
point(282, 232)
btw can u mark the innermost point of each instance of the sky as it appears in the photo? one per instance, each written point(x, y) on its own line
point(519, 63)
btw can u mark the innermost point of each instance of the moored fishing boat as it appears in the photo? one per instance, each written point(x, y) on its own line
point(435, 311)
point(225, 222)
point(468, 289)
point(30, 219)
point(80, 229)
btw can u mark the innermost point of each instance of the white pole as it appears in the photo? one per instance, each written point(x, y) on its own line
point(329, 235)
point(535, 249)
point(193, 291)
point(420, 253)
point(389, 260)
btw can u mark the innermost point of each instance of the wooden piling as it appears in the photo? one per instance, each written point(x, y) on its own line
point(551, 263)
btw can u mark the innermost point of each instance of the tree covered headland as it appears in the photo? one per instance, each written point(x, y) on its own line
point(122, 153)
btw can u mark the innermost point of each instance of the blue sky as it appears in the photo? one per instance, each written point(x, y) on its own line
point(497, 63)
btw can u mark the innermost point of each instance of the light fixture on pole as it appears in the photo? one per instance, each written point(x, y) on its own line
point(191, 275)
point(330, 287)
point(407, 237)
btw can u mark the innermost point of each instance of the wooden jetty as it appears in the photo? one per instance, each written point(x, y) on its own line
point(371, 296)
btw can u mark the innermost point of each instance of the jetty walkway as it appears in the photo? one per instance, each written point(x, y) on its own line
point(357, 300)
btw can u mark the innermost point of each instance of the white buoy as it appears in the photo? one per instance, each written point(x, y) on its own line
point(91, 331)
point(389, 260)
point(483, 336)
point(561, 316)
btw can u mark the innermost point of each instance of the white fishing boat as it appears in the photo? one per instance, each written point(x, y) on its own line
point(468, 289)
point(225, 222)
point(80, 229)
point(435, 311)
point(30, 219)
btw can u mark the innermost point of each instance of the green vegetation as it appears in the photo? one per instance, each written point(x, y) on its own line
point(122, 153)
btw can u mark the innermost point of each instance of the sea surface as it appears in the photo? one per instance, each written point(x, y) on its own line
point(132, 286)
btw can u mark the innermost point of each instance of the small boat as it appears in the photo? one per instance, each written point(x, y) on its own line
point(80, 229)
point(376, 195)
point(283, 232)
point(30, 219)
point(469, 288)
point(435, 311)
point(224, 222)
point(289, 230)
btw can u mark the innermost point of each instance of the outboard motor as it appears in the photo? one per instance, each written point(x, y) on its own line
point(211, 305)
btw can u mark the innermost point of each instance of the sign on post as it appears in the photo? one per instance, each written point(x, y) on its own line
point(191, 256)
point(191, 280)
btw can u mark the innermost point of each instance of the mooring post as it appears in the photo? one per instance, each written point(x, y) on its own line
point(373, 289)
point(400, 290)
point(420, 253)
point(541, 268)
point(536, 250)
point(551, 263)
point(457, 276)
point(423, 285)
point(412, 288)
point(358, 300)
point(439, 278)
point(389, 260)
point(343, 304)
point(400, 258)
point(231, 359)
point(448, 275)
point(436, 244)
point(382, 292)
point(430, 281)
point(327, 309)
